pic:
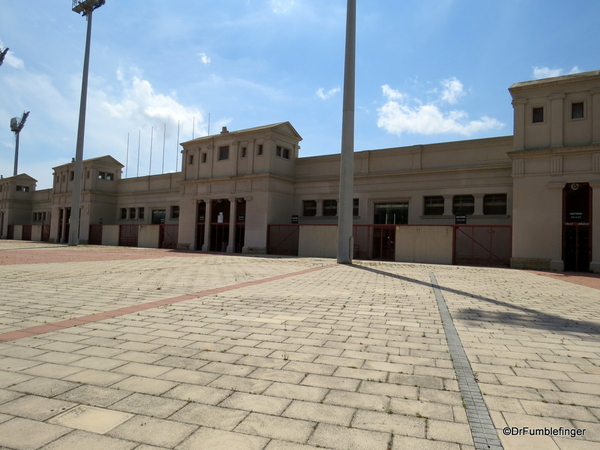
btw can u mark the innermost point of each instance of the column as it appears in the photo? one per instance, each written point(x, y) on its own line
point(519, 126)
point(319, 212)
point(478, 211)
point(448, 205)
point(207, 226)
point(232, 221)
point(557, 120)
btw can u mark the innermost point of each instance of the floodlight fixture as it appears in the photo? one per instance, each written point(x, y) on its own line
point(3, 53)
point(16, 126)
point(85, 7)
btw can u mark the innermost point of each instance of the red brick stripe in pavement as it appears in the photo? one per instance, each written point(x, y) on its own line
point(61, 325)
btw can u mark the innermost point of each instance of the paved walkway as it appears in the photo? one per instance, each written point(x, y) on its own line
point(111, 348)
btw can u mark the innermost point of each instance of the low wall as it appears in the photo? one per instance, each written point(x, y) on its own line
point(18, 232)
point(36, 232)
point(110, 235)
point(319, 241)
point(148, 236)
point(424, 244)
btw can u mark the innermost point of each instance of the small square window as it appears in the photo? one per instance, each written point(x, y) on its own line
point(110, 176)
point(223, 153)
point(309, 208)
point(123, 213)
point(433, 205)
point(537, 115)
point(132, 213)
point(278, 151)
point(141, 213)
point(174, 212)
point(463, 204)
point(577, 110)
point(494, 204)
point(329, 208)
point(203, 157)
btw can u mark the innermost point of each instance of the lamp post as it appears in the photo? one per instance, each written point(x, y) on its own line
point(86, 8)
point(345, 208)
point(3, 53)
point(16, 126)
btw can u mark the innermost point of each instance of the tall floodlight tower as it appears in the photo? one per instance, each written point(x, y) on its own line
point(3, 53)
point(86, 8)
point(345, 216)
point(16, 126)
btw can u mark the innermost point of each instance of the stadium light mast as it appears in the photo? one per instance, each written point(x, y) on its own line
point(345, 207)
point(85, 8)
point(16, 126)
point(3, 53)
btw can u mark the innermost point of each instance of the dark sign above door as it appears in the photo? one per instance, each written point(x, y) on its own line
point(460, 219)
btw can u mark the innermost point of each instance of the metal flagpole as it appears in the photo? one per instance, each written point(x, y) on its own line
point(345, 240)
point(139, 145)
point(177, 150)
point(164, 144)
point(151, 139)
point(127, 157)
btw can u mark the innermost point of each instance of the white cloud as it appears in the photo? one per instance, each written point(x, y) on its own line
point(282, 6)
point(204, 59)
point(453, 90)
point(140, 102)
point(330, 93)
point(401, 115)
point(546, 72)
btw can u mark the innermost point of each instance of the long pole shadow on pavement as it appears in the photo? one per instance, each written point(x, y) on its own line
point(525, 317)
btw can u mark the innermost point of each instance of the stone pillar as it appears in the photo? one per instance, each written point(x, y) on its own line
point(207, 226)
point(448, 204)
point(557, 120)
point(519, 126)
point(232, 212)
point(63, 237)
point(478, 204)
point(319, 212)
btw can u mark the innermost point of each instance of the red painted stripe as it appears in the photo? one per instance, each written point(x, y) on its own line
point(61, 325)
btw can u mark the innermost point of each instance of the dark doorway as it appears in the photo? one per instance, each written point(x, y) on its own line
point(577, 217)
point(219, 232)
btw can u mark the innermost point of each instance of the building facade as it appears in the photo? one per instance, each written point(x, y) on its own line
point(234, 187)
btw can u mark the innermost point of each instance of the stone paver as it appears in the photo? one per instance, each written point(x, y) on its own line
point(115, 348)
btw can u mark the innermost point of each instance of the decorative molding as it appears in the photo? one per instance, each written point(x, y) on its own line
point(556, 165)
point(596, 162)
point(518, 167)
point(555, 185)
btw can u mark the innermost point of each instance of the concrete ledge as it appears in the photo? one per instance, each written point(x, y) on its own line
point(530, 263)
point(255, 250)
point(557, 265)
point(595, 266)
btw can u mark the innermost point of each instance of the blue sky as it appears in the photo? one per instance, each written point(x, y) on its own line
point(427, 71)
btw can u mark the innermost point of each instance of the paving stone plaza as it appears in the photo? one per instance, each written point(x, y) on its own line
point(119, 348)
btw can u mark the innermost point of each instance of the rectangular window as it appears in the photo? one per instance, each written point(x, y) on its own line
point(433, 205)
point(577, 110)
point(110, 176)
point(174, 212)
point(391, 213)
point(329, 208)
point(132, 213)
point(243, 152)
point(22, 188)
point(190, 159)
point(71, 175)
point(309, 208)
point(101, 175)
point(494, 204)
point(260, 150)
point(203, 160)
point(537, 115)
point(355, 207)
point(123, 213)
point(223, 153)
point(463, 204)
point(141, 213)
point(282, 152)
